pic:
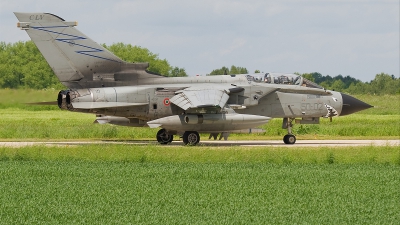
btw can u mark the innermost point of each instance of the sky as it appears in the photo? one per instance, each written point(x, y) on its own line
point(359, 38)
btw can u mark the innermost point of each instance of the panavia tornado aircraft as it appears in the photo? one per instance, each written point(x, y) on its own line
point(124, 93)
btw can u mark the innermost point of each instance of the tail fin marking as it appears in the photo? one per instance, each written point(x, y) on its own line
point(71, 41)
point(72, 55)
point(75, 58)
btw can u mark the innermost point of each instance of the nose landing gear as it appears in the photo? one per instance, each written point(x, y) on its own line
point(288, 138)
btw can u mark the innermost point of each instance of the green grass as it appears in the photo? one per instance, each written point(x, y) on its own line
point(206, 154)
point(17, 99)
point(356, 125)
point(104, 192)
point(20, 124)
point(61, 125)
point(383, 105)
point(149, 184)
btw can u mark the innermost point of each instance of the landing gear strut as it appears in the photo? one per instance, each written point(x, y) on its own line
point(163, 137)
point(288, 138)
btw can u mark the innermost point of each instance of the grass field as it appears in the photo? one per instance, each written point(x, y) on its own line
point(153, 184)
point(199, 185)
point(17, 124)
point(77, 192)
point(388, 155)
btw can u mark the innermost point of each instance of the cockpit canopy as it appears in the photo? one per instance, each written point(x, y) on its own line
point(281, 78)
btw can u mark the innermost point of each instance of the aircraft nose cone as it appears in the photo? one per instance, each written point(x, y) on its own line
point(352, 105)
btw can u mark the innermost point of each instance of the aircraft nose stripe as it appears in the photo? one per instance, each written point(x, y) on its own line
point(352, 105)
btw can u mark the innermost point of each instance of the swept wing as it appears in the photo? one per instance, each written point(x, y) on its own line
point(201, 97)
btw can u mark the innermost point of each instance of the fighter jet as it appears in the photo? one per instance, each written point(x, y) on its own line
point(127, 94)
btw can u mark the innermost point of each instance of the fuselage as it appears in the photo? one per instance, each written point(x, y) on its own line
point(254, 97)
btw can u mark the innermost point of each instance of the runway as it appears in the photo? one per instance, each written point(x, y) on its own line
point(267, 143)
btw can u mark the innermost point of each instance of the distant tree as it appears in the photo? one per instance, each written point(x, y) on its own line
point(348, 80)
point(225, 70)
point(381, 85)
point(257, 71)
point(384, 84)
point(238, 70)
point(318, 78)
point(130, 53)
point(328, 79)
point(178, 72)
point(23, 66)
point(308, 76)
point(338, 85)
point(325, 85)
point(358, 88)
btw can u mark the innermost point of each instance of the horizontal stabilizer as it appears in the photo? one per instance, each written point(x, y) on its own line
point(100, 105)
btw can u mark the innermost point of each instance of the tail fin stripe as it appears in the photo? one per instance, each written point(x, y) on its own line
point(71, 41)
point(54, 32)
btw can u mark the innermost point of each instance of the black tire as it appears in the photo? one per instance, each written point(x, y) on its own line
point(191, 138)
point(289, 139)
point(163, 137)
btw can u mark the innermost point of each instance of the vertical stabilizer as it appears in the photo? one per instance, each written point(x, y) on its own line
point(72, 55)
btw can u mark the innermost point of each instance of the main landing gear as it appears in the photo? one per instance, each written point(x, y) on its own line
point(193, 137)
point(163, 137)
point(189, 137)
point(288, 138)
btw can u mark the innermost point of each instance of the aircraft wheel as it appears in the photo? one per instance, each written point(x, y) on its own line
point(191, 138)
point(163, 137)
point(289, 139)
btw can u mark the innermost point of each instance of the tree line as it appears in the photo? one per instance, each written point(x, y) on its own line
point(382, 84)
point(225, 71)
point(23, 66)
point(130, 53)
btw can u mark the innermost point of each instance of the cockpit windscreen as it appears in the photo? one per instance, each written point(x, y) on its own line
point(280, 78)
